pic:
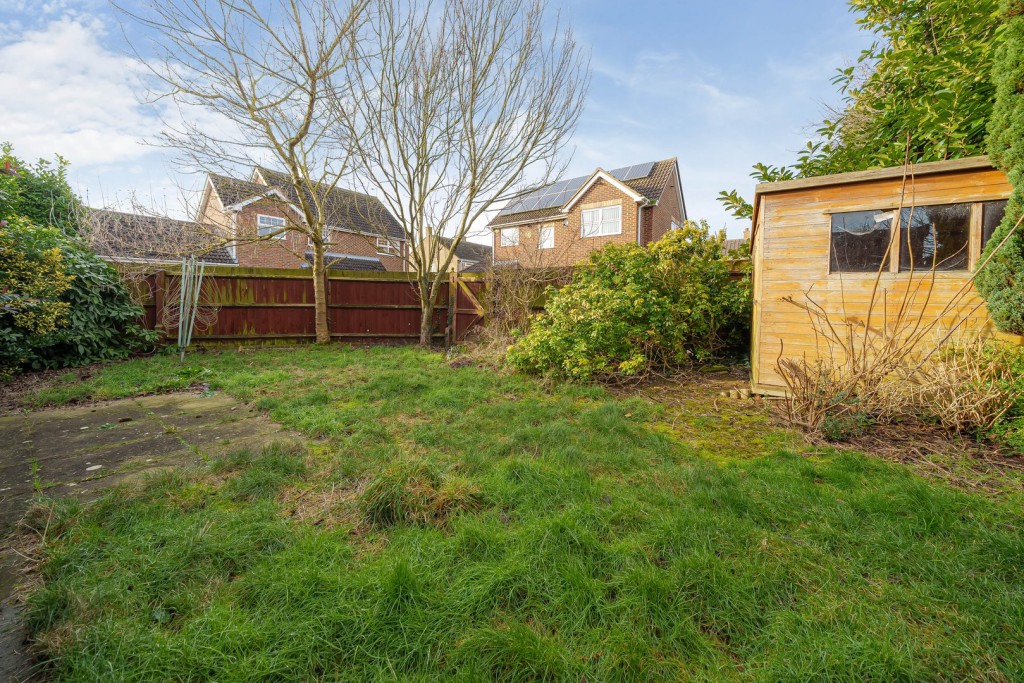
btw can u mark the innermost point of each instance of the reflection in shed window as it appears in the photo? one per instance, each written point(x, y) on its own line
point(860, 241)
point(991, 216)
point(935, 237)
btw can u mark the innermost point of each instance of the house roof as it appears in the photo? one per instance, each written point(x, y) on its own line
point(347, 262)
point(915, 170)
point(120, 235)
point(548, 201)
point(345, 209)
point(739, 244)
point(470, 251)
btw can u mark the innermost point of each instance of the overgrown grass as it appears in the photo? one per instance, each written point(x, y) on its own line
point(475, 526)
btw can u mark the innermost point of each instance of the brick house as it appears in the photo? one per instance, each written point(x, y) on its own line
point(470, 257)
point(560, 224)
point(254, 215)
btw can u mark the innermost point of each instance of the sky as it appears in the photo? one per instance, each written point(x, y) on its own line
point(720, 85)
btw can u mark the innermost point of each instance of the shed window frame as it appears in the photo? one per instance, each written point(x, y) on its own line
point(893, 251)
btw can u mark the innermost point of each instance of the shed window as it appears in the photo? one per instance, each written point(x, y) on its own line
point(606, 221)
point(860, 241)
point(935, 237)
point(991, 216)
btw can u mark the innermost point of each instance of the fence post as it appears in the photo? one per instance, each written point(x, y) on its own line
point(453, 311)
point(327, 300)
point(159, 287)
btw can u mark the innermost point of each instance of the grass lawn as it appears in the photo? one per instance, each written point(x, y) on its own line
point(462, 524)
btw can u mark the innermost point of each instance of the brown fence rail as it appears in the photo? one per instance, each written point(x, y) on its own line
point(266, 304)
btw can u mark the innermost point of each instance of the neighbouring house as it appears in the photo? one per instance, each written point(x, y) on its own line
point(254, 214)
point(560, 224)
point(470, 257)
point(129, 237)
point(738, 245)
point(917, 232)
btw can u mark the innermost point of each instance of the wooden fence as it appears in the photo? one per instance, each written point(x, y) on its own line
point(266, 304)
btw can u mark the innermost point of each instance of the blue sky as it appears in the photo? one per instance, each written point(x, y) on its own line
point(718, 85)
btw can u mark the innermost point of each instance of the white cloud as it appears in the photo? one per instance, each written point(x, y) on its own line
point(68, 94)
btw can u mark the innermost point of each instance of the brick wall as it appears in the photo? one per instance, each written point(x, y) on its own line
point(278, 253)
point(288, 251)
point(667, 210)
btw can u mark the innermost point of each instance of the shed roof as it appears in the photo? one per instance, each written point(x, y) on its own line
point(855, 177)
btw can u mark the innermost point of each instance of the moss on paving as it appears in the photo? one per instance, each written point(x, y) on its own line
point(463, 524)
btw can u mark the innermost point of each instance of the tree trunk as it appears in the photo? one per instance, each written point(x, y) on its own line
point(323, 332)
point(426, 322)
point(426, 311)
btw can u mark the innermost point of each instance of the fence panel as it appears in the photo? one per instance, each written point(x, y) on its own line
point(257, 304)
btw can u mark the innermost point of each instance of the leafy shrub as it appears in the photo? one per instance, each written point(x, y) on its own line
point(32, 281)
point(1009, 428)
point(38, 192)
point(632, 309)
point(103, 322)
point(1001, 281)
point(61, 304)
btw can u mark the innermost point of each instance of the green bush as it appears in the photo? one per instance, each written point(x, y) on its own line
point(1001, 281)
point(631, 309)
point(61, 304)
point(103, 322)
point(1009, 429)
point(32, 282)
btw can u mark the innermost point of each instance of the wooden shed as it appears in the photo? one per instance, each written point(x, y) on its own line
point(862, 245)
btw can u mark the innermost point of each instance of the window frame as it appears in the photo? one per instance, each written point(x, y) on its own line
point(601, 222)
point(887, 256)
point(390, 248)
point(974, 246)
point(274, 226)
point(545, 229)
point(513, 230)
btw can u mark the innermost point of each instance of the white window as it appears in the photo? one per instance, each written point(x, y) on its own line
point(675, 224)
point(385, 247)
point(510, 237)
point(547, 238)
point(267, 226)
point(603, 221)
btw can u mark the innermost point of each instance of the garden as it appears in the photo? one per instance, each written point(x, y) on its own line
point(452, 522)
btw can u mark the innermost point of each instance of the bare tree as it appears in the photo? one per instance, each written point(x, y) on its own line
point(257, 82)
point(455, 104)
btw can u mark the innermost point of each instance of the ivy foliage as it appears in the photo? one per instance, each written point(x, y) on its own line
point(32, 282)
point(922, 91)
point(1001, 280)
point(62, 304)
point(632, 309)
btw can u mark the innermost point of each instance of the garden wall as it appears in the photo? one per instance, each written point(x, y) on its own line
point(251, 305)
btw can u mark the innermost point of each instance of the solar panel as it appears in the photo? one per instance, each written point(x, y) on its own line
point(558, 193)
point(635, 171)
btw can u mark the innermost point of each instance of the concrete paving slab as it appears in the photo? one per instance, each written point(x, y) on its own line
point(81, 451)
